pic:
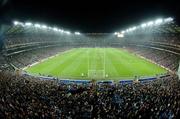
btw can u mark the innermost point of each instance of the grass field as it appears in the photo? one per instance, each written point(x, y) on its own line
point(96, 63)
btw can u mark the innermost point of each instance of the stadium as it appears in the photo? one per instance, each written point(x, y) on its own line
point(52, 52)
point(47, 71)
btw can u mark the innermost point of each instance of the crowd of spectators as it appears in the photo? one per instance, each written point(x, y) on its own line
point(3, 64)
point(29, 97)
point(166, 42)
point(21, 39)
point(167, 39)
point(23, 59)
point(168, 60)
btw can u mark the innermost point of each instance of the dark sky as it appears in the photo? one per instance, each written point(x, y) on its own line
point(88, 16)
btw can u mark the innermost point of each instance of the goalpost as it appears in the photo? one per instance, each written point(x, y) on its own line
point(96, 73)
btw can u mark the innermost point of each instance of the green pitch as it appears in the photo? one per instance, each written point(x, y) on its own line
point(96, 63)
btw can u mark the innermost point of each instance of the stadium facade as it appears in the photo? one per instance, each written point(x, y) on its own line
point(156, 40)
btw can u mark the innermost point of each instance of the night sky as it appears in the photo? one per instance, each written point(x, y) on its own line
point(88, 16)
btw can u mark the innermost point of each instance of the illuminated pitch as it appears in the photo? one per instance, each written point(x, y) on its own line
point(96, 63)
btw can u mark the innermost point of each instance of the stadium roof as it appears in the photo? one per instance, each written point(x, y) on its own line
point(158, 26)
point(28, 27)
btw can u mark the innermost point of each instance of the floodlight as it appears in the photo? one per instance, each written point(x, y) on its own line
point(77, 33)
point(55, 29)
point(37, 25)
point(143, 25)
point(50, 28)
point(120, 35)
point(168, 19)
point(134, 28)
point(130, 29)
point(16, 22)
point(122, 32)
point(68, 32)
point(115, 33)
point(44, 26)
point(28, 24)
point(150, 23)
point(61, 30)
point(158, 21)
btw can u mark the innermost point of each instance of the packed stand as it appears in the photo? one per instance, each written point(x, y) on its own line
point(29, 97)
point(167, 39)
point(168, 60)
point(24, 59)
point(3, 63)
point(19, 40)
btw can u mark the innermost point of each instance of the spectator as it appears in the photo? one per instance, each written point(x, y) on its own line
point(29, 97)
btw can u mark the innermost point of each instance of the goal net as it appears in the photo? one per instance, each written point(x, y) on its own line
point(96, 74)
